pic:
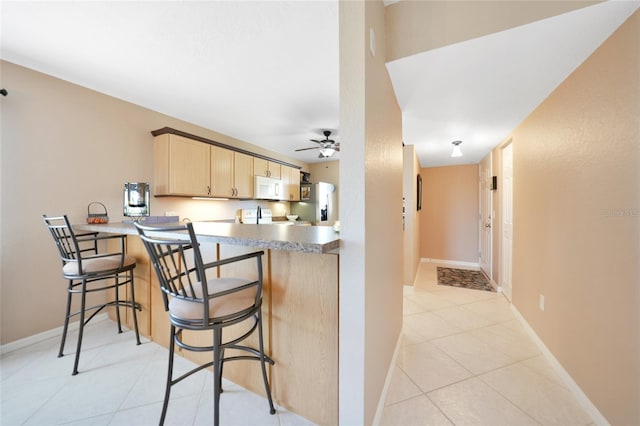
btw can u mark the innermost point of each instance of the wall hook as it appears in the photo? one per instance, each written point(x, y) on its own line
point(4, 92)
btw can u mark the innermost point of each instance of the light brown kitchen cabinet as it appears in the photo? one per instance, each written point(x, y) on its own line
point(263, 167)
point(191, 166)
point(231, 173)
point(221, 172)
point(243, 175)
point(291, 183)
point(181, 166)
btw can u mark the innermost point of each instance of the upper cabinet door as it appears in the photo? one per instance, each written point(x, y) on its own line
point(291, 183)
point(221, 172)
point(294, 186)
point(231, 173)
point(275, 170)
point(181, 166)
point(243, 167)
point(262, 167)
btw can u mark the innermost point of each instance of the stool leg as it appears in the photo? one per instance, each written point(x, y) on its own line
point(167, 390)
point(133, 307)
point(117, 287)
point(66, 319)
point(81, 329)
point(221, 364)
point(267, 389)
point(217, 374)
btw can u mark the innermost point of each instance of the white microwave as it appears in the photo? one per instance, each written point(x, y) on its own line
point(267, 188)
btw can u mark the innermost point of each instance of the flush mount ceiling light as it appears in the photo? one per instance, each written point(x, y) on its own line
point(456, 149)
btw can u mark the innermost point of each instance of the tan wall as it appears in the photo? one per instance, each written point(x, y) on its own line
point(577, 222)
point(370, 213)
point(496, 166)
point(418, 26)
point(449, 217)
point(328, 171)
point(64, 146)
point(412, 215)
point(486, 162)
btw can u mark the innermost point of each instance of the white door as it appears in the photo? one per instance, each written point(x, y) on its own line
point(506, 257)
point(486, 217)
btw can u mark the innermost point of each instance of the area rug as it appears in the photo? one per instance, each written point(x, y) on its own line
point(464, 278)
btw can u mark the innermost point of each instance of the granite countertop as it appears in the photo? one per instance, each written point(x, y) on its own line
point(307, 239)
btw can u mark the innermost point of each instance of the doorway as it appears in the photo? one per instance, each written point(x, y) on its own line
point(486, 216)
point(506, 246)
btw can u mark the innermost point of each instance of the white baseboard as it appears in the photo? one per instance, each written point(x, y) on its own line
point(37, 338)
point(495, 286)
point(452, 262)
point(387, 383)
point(582, 398)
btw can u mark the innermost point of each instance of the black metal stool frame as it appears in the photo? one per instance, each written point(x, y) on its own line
point(179, 275)
point(76, 248)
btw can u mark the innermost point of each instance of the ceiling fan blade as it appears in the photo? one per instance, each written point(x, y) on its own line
point(316, 141)
point(305, 149)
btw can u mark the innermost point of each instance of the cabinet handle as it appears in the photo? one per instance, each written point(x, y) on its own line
point(208, 190)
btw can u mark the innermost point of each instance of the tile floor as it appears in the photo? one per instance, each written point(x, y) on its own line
point(119, 384)
point(464, 360)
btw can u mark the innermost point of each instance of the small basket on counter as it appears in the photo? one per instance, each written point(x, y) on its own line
point(97, 218)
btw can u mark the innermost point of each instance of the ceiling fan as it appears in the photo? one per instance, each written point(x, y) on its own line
point(326, 146)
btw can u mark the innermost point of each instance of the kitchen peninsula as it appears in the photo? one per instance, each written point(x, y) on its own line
point(300, 307)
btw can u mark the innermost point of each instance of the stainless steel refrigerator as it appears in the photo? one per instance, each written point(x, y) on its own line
point(320, 208)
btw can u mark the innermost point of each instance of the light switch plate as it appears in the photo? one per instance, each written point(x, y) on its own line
point(372, 42)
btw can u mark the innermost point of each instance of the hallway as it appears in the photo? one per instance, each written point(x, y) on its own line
point(465, 359)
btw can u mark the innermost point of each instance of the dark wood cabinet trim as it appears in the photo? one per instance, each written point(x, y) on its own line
point(165, 130)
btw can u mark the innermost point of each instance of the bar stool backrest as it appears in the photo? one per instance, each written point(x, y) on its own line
point(67, 243)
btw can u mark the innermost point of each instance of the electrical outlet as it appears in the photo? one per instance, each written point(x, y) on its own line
point(541, 303)
point(170, 213)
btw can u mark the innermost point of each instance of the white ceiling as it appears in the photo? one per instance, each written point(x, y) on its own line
point(479, 90)
point(266, 72)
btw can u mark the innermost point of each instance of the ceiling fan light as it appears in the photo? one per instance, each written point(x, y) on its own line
point(327, 152)
point(456, 149)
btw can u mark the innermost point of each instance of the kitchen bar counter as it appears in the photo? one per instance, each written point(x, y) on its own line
point(299, 309)
point(306, 239)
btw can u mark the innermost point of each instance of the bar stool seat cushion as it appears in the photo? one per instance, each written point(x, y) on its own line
point(98, 264)
point(231, 303)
